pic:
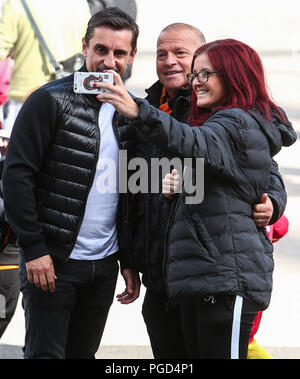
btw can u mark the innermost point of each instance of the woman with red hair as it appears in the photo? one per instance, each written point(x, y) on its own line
point(240, 69)
point(218, 263)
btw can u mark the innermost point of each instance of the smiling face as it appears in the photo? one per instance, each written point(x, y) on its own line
point(211, 93)
point(108, 49)
point(175, 51)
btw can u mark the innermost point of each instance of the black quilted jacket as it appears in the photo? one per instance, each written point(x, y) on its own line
point(152, 211)
point(214, 247)
point(50, 167)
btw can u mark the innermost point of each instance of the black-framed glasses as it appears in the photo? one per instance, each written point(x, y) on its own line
point(202, 76)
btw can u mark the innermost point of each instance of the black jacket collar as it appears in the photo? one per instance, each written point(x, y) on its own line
point(154, 94)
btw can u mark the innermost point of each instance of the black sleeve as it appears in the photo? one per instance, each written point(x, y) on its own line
point(30, 138)
point(215, 144)
point(276, 192)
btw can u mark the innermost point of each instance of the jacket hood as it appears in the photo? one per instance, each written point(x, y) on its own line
point(278, 132)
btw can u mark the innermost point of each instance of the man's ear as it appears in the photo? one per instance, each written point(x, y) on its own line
point(84, 47)
point(132, 55)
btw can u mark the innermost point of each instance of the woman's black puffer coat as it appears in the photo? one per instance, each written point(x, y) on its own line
point(214, 247)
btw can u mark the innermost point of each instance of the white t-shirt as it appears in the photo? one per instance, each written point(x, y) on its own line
point(97, 237)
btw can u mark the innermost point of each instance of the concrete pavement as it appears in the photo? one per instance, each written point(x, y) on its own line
point(141, 352)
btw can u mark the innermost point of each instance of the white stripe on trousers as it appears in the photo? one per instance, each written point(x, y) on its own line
point(236, 325)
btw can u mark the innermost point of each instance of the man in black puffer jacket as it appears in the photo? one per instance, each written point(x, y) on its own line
point(68, 227)
point(175, 49)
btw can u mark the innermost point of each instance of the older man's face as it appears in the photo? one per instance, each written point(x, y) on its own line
point(175, 51)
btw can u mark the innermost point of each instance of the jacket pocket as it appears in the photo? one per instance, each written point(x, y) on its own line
point(266, 241)
point(202, 234)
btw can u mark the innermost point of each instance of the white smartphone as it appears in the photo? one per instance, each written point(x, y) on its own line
point(84, 82)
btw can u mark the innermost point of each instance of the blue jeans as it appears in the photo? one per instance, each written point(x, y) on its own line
point(69, 323)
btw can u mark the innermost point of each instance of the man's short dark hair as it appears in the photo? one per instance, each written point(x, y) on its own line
point(114, 18)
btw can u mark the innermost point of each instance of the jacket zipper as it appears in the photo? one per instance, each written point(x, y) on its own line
point(90, 185)
point(166, 250)
point(171, 221)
